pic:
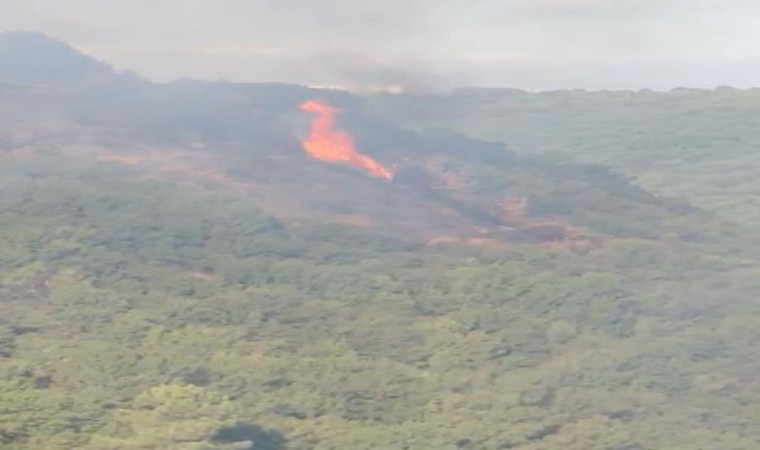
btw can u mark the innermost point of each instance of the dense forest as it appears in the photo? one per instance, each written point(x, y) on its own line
point(697, 145)
point(177, 274)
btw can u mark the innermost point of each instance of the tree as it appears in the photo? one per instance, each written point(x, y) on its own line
point(173, 417)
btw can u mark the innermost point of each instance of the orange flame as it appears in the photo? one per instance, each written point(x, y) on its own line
point(327, 143)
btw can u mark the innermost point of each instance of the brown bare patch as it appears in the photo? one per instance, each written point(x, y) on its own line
point(22, 153)
point(204, 276)
point(358, 221)
point(127, 160)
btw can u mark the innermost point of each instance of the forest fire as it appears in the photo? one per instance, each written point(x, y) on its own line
point(327, 143)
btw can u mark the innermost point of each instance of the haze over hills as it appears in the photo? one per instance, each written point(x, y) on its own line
point(176, 261)
point(29, 58)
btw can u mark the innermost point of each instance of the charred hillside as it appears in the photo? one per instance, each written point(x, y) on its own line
point(247, 139)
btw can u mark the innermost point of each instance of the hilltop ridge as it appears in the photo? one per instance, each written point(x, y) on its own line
point(33, 58)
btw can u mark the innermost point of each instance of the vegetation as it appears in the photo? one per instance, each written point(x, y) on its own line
point(174, 279)
point(142, 315)
point(695, 144)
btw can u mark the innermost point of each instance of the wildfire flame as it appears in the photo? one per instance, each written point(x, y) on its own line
point(327, 143)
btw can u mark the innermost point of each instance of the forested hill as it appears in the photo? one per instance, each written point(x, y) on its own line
point(700, 145)
point(178, 274)
point(245, 138)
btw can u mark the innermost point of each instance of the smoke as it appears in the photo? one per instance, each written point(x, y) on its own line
point(362, 72)
point(399, 44)
point(392, 45)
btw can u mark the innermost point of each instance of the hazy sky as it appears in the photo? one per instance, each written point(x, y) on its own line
point(533, 44)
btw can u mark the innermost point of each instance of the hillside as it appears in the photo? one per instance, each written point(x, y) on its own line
point(694, 144)
point(178, 273)
point(33, 58)
point(246, 139)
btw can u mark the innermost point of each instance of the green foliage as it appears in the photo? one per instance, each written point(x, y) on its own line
point(7, 342)
point(693, 144)
point(139, 315)
point(173, 416)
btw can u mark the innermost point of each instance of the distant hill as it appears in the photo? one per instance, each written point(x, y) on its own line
point(33, 58)
point(695, 144)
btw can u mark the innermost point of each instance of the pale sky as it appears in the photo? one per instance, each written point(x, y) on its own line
point(531, 44)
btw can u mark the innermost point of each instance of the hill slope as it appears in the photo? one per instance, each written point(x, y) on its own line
point(177, 273)
point(33, 58)
point(698, 145)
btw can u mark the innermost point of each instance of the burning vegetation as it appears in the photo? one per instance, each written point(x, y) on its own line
point(327, 143)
